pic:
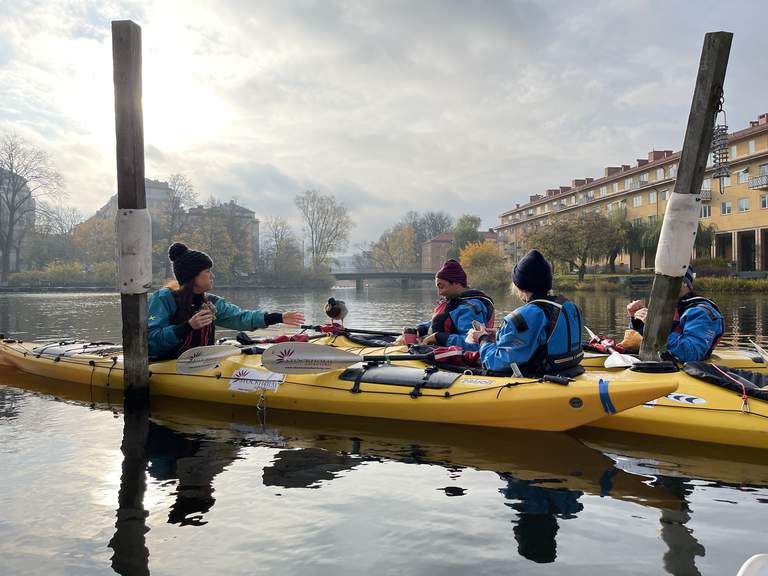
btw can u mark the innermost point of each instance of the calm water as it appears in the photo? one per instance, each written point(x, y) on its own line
point(222, 490)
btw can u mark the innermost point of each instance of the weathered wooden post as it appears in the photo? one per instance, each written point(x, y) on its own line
point(134, 233)
point(678, 231)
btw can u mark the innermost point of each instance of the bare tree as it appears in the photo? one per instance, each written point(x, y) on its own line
point(26, 175)
point(57, 218)
point(326, 225)
point(281, 251)
point(181, 196)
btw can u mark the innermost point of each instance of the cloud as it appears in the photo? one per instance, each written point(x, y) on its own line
point(393, 106)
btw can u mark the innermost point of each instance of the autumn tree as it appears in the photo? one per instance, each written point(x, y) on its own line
point(484, 265)
point(326, 226)
point(95, 240)
point(394, 249)
point(26, 176)
point(574, 239)
point(425, 227)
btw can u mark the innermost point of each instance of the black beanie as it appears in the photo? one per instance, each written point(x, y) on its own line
point(187, 263)
point(533, 273)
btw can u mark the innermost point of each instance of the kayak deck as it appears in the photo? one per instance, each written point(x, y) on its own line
point(492, 401)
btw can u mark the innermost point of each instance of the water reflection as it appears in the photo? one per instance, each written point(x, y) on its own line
point(544, 480)
point(131, 556)
point(538, 511)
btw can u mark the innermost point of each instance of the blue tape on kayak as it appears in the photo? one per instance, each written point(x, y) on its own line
point(605, 397)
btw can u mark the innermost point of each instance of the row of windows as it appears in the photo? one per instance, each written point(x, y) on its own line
point(637, 200)
point(727, 208)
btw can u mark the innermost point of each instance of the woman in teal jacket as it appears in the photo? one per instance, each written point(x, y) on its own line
point(184, 315)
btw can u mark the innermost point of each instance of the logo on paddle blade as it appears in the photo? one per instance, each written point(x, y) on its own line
point(283, 356)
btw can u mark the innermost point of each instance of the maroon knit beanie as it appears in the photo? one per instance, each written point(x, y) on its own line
point(452, 272)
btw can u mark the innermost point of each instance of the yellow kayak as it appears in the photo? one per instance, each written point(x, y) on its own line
point(409, 390)
point(697, 410)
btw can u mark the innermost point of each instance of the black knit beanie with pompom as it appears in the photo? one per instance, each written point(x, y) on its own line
point(187, 263)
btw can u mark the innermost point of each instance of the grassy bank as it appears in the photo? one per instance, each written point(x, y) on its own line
point(731, 284)
point(591, 282)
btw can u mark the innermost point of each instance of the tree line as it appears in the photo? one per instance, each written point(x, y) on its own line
point(575, 240)
point(54, 242)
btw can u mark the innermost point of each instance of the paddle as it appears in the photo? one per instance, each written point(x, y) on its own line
point(204, 358)
point(615, 359)
point(760, 350)
point(305, 358)
point(328, 328)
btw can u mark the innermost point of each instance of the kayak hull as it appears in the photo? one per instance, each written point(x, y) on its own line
point(470, 400)
point(697, 410)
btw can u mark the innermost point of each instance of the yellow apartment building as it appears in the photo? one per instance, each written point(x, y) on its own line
point(740, 212)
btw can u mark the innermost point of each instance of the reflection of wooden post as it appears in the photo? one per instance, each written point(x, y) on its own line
point(678, 231)
point(134, 236)
point(131, 555)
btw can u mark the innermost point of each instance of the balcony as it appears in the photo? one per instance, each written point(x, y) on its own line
point(706, 194)
point(759, 182)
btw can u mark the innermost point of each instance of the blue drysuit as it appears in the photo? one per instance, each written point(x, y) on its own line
point(696, 330)
point(453, 318)
point(528, 338)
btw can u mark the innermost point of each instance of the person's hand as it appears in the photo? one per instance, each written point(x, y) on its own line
point(293, 318)
point(641, 314)
point(203, 318)
point(399, 341)
point(476, 332)
point(430, 339)
point(634, 306)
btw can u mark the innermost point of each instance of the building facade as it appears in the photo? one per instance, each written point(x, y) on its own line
point(239, 221)
point(739, 210)
point(239, 218)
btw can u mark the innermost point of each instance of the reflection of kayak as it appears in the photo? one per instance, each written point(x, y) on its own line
point(549, 460)
point(645, 455)
point(409, 390)
point(697, 410)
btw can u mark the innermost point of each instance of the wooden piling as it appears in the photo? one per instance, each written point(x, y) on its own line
point(129, 132)
point(678, 231)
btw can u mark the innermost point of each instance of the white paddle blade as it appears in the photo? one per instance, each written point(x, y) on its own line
point(760, 350)
point(203, 358)
point(617, 360)
point(305, 358)
point(757, 565)
point(591, 334)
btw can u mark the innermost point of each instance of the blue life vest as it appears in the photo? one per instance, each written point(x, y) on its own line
point(562, 350)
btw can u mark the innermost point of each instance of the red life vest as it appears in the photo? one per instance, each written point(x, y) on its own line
point(441, 316)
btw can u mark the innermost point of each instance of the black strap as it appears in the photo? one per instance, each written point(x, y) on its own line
point(517, 319)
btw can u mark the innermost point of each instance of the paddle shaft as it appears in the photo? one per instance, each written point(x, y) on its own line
point(355, 331)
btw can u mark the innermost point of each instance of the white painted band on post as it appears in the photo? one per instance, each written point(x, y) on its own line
point(134, 250)
point(678, 233)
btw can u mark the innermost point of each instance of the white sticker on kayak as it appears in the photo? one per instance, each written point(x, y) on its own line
point(686, 399)
point(247, 380)
point(478, 381)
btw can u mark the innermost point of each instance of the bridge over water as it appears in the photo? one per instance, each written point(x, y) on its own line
point(405, 277)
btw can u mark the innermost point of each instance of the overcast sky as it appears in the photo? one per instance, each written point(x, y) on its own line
point(466, 106)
